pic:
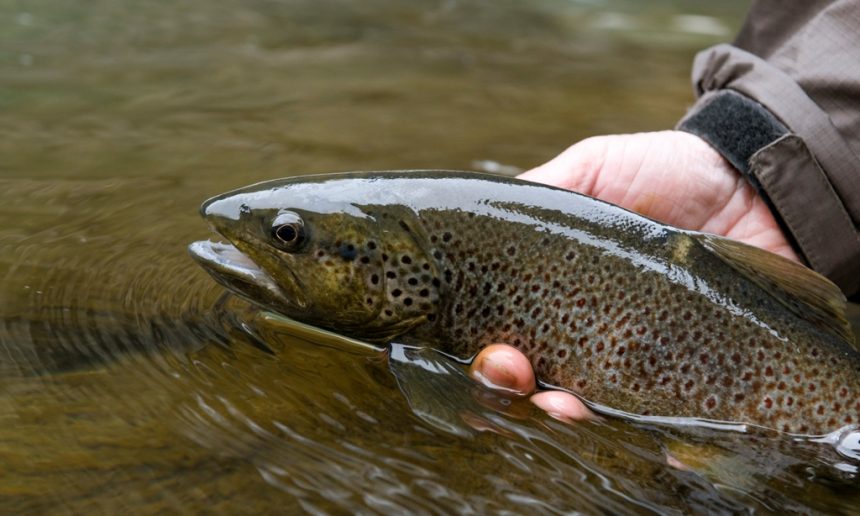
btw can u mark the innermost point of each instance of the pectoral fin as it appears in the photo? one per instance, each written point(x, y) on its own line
point(806, 293)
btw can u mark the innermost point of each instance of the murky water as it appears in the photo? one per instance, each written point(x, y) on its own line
point(128, 383)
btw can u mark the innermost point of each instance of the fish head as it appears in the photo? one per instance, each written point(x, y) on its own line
point(304, 250)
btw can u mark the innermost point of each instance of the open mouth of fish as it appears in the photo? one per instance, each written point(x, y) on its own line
point(236, 271)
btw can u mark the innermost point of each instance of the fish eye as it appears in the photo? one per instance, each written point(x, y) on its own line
point(288, 230)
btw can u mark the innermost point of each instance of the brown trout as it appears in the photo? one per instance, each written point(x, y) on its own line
point(623, 311)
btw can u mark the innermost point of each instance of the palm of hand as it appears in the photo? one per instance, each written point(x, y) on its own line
point(670, 176)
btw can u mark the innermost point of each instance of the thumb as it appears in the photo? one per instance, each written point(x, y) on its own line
point(577, 168)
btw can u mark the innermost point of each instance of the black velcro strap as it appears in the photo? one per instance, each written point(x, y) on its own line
point(735, 125)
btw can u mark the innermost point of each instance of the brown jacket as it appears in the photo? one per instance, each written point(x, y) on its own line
point(783, 105)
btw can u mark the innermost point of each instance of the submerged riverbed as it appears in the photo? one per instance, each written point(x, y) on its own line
point(129, 383)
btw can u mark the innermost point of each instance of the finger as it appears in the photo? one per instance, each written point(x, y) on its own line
point(500, 366)
point(563, 406)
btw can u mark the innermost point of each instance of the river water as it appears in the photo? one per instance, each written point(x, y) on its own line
point(130, 383)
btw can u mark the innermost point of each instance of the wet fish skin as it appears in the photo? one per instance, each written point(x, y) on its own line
point(624, 311)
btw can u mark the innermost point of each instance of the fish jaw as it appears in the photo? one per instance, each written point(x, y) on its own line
point(241, 275)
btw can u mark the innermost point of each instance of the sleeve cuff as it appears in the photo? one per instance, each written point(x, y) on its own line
point(735, 125)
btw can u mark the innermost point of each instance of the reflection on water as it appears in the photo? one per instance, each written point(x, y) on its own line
point(128, 383)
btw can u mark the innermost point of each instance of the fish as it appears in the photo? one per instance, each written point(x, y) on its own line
point(623, 311)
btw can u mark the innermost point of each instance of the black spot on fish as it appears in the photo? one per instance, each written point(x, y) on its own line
point(406, 259)
point(404, 226)
point(371, 245)
point(396, 292)
point(348, 252)
point(413, 281)
point(436, 282)
point(374, 279)
point(446, 237)
point(390, 274)
point(407, 301)
point(365, 259)
point(431, 317)
point(437, 254)
point(424, 292)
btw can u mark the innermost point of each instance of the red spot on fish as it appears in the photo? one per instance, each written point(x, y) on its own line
point(789, 401)
point(760, 355)
point(811, 387)
point(768, 403)
point(768, 371)
point(689, 385)
point(820, 410)
point(599, 346)
point(843, 392)
point(704, 358)
point(739, 397)
point(620, 351)
point(711, 403)
point(736, 358)
point(562, 353)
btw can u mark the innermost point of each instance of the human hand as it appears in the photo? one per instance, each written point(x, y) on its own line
point(503, 367)
point(670, 176)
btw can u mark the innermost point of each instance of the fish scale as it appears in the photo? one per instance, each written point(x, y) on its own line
point(591, 323)
point(621, 310)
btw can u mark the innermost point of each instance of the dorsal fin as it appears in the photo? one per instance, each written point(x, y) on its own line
point(806, 293)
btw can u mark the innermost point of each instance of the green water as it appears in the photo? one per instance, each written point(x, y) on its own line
point(128, 384)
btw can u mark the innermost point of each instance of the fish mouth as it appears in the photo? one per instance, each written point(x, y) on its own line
point(235, 270)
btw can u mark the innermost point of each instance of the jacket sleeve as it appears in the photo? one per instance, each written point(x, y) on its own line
point(783, 106)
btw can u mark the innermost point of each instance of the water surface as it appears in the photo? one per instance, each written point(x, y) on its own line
point(130, 384)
